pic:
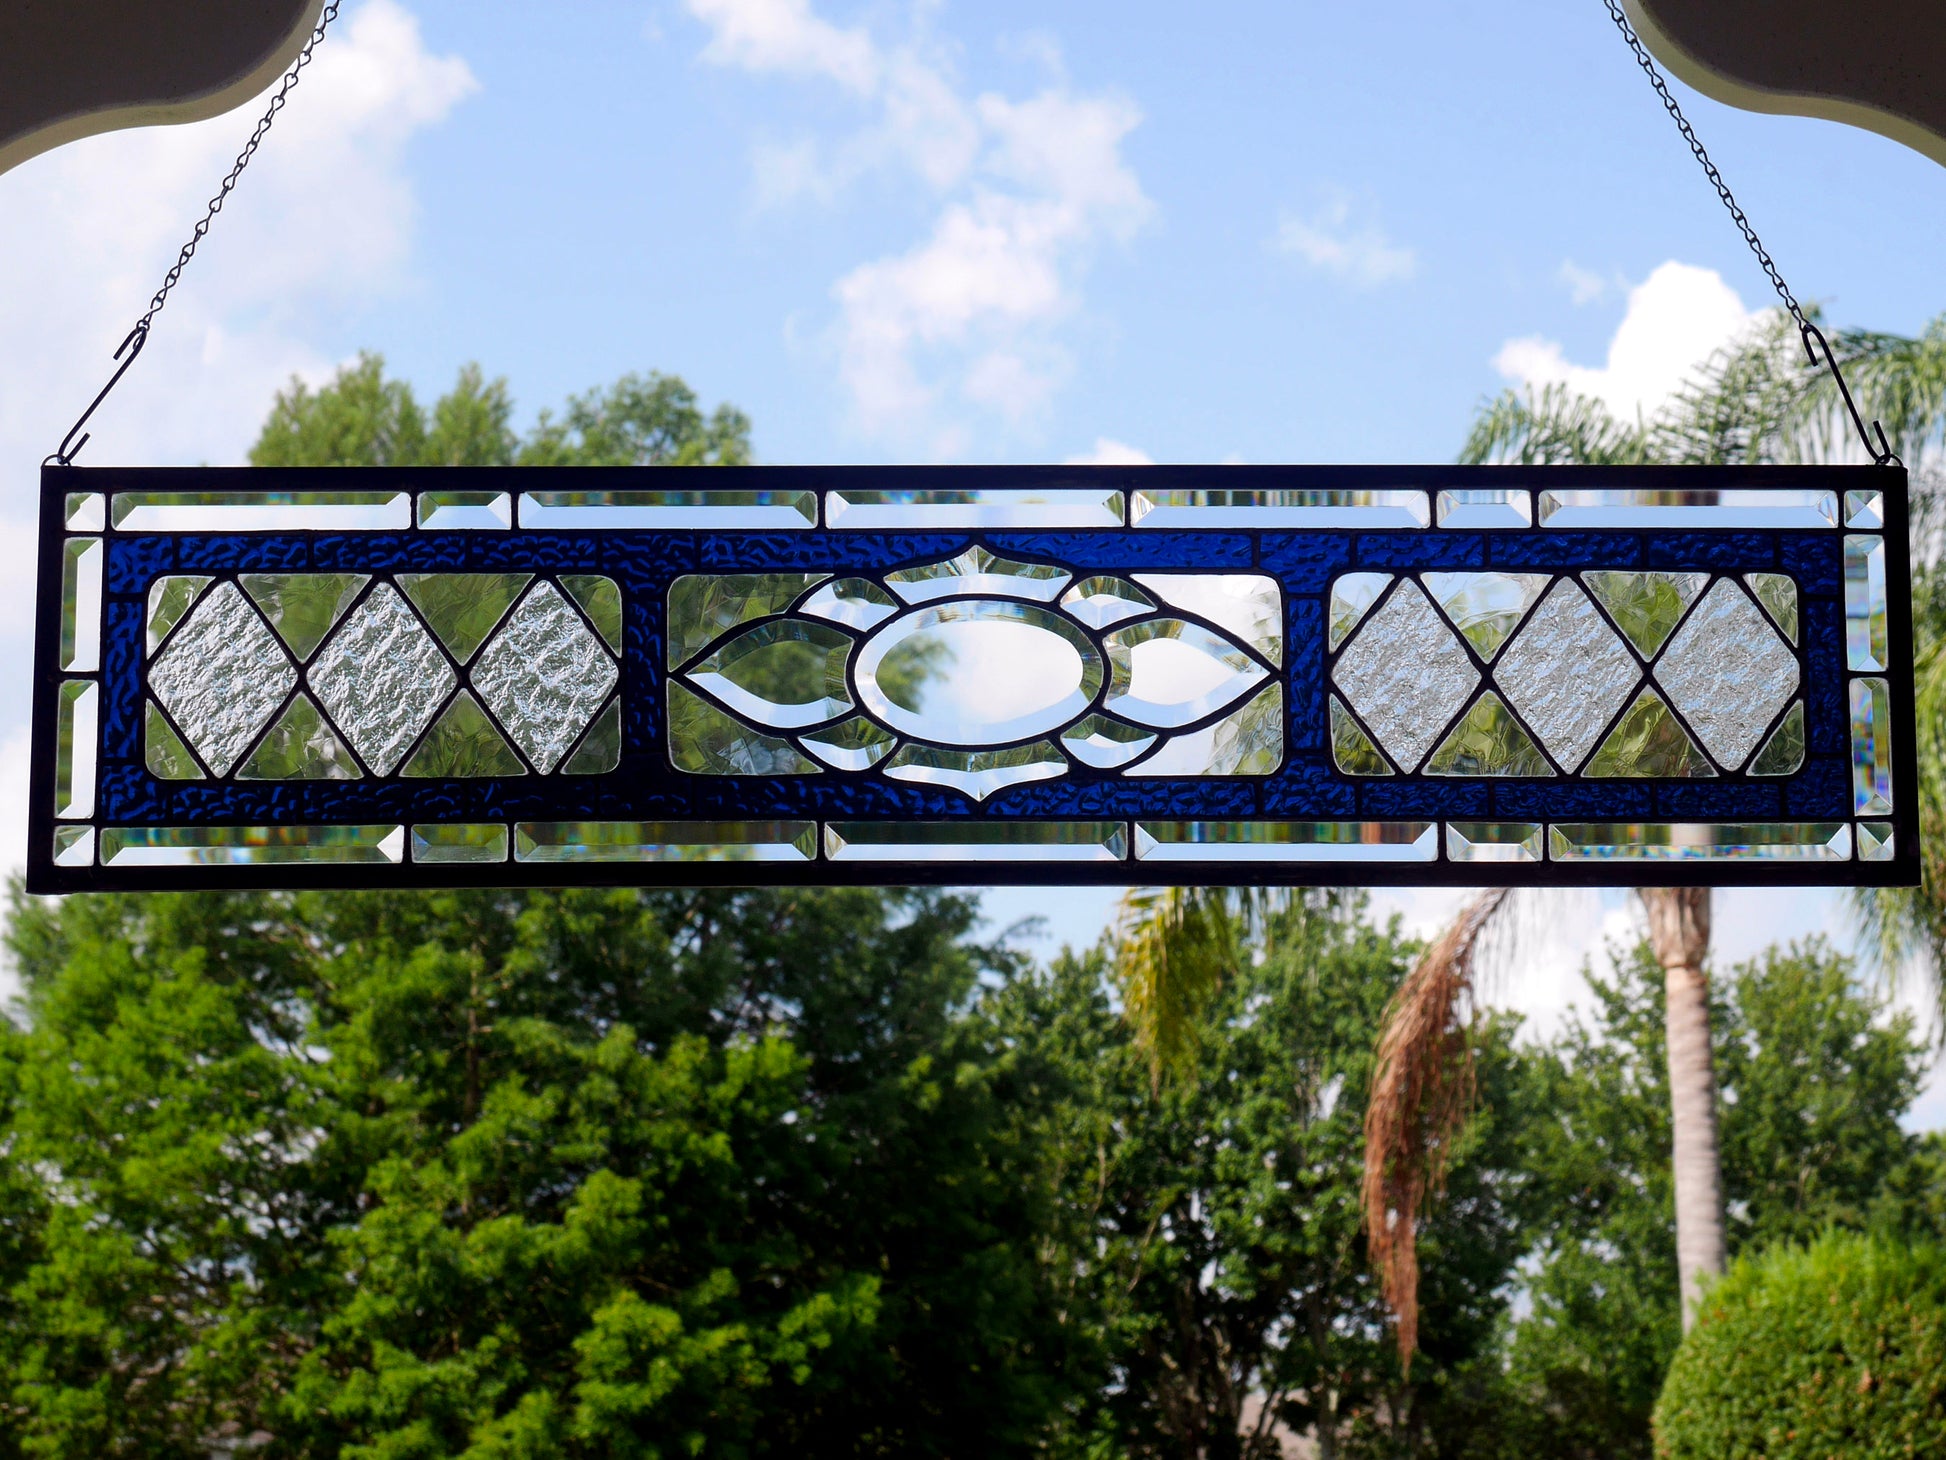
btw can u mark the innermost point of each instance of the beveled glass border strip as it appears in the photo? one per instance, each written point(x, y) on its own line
point(236, 846)
point(982, 841)
point(1679, 508)
point(701, 510)
point(1286, 841)
point(1291, 507)
point(245, 511)
point(1695, 841)
point(947, 509)
point(665, 841)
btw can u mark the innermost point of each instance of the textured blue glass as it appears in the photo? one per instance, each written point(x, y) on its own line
point(1727, 552)
point(645, 786)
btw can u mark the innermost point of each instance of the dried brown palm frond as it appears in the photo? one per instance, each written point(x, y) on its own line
point(1422, 1091)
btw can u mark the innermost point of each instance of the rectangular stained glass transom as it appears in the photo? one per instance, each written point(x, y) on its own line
point(869, 675)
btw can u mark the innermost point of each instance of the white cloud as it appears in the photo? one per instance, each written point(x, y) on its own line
point(968, 316)
point(1107, 451)
point(321, 222)
point(1676, 319)
point(1357, 252)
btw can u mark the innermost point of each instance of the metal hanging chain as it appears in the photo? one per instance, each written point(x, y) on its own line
point(131, 347)
point(1815, 344)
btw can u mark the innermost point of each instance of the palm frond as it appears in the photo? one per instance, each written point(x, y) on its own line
point(1422, 1091)
point(1173, 947)
point(1549, 427)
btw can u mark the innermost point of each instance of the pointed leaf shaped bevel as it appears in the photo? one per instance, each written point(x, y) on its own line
point(1166, 672)
point(785, 674)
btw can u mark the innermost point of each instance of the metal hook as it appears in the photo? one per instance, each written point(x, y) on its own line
point(1882, 454)
point(71, 448)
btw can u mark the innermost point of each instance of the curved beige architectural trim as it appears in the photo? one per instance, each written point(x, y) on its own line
point(1713, 75)
point(141, 84)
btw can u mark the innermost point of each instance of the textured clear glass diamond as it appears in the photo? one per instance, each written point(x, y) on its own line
point(1567, 673)
point(1728, 673)
point(381, 678)
point(222, 676)
point(1406, 673)
point(544, 674)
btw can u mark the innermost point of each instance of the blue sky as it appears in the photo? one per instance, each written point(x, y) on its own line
point(918, 232)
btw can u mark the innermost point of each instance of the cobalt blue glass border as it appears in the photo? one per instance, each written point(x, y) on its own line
point(646, 787)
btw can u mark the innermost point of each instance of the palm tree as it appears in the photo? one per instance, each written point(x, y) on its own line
point(1763, 399)
point(1760, 400)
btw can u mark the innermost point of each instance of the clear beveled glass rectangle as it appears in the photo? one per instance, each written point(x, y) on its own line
point(1286, 841)
point(248, 846)
point(460, 843)
point(991, 841)
point(1871, 746)
point(82, 562)
point(1279, 507)
point(921, 510)
point(1867, 644)
point(261, 511)
point(1700, 841)
point(1676, 509)
point(77, 748)
point(444, 511)
point(665, 841)
point(1494, 841)
point(1485, 509)
point(701, 510)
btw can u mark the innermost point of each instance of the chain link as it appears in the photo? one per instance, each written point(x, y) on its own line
point(1815, 344)
point(1742, 222)
point(131, 347)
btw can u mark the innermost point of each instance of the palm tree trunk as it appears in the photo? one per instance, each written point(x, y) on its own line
point(1679, 931)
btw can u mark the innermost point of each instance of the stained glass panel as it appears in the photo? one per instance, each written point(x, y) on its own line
point(830, 675)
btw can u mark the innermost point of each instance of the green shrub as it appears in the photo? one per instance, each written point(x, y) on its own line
point(1832, 1352)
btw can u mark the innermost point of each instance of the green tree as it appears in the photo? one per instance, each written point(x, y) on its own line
point(489, 1173)
point(362, 418)
point(1212, 1225)
point(1816, 1077)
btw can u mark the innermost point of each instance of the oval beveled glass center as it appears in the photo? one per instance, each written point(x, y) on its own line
point(978, 672)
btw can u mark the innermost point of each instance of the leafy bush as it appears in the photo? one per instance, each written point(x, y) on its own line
point(1806, 1353)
